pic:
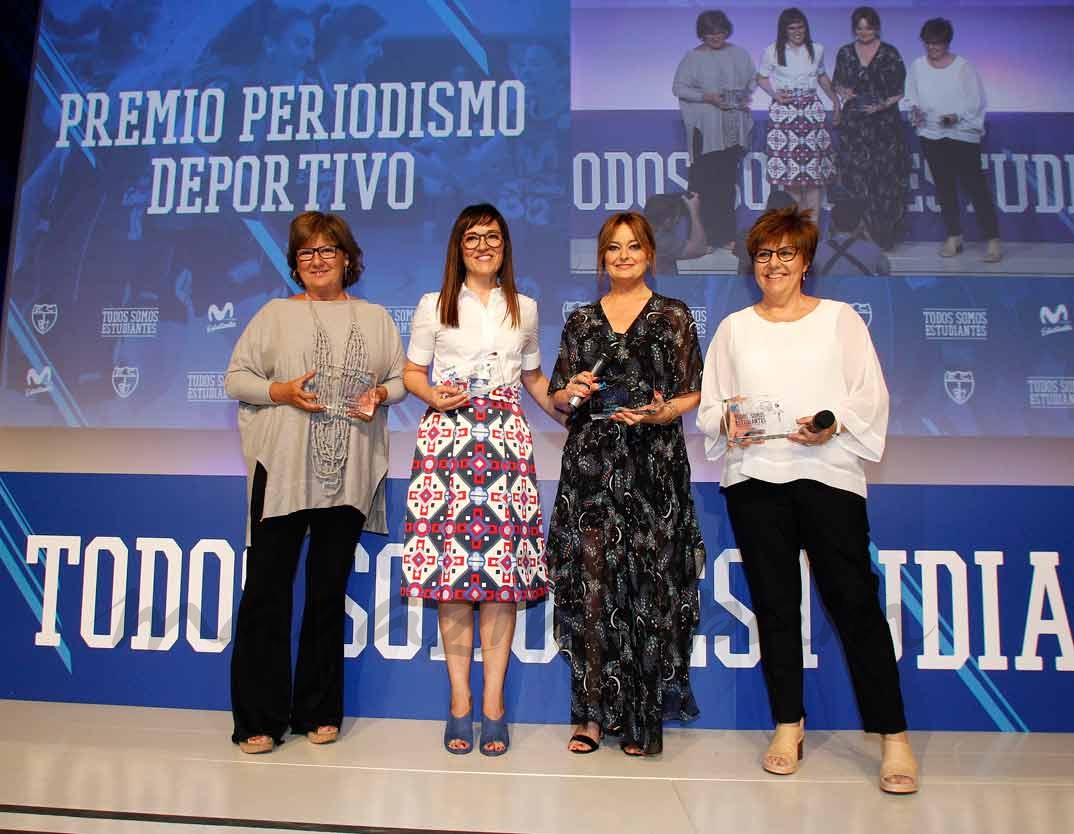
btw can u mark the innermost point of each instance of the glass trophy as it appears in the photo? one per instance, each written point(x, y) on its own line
point(758, 417)
point(863, 100)
point(360, 392)
point(449, 375)
point(341, 390)
point(615, 396)
point(733, 99)
point(483, 377)
point(480, 380)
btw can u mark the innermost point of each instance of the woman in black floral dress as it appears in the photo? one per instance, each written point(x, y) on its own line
point(624, 547)
point(873, 157)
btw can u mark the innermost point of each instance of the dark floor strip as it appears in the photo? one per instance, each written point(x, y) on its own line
point(183, 819)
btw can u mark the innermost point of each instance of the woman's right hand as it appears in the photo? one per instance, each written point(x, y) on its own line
point(782, 98)
point(582, 385)
point(448, 397)
point(293, 392)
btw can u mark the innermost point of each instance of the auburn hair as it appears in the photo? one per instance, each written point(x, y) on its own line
point(792, 223)
point(639, 227)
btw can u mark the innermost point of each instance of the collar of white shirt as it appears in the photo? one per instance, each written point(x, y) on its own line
point(466, 291)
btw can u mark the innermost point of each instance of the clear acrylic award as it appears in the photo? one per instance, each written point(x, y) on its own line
point(484, 376)
point(733, 99)
point(360, 392)
point(758, 417)
point(342, 390)
point(613, 397)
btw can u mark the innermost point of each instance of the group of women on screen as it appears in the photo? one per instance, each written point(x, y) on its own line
point(871, 160)
point(624, 549)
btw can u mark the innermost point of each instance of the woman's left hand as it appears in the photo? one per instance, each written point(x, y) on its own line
point(375, 398)
point(658, 412)
point(811, 438)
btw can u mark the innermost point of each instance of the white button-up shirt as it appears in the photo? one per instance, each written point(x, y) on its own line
point(799, 73)
point(482, 331)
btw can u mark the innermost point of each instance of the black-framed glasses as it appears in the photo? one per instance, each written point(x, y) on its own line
point(784, 253)
point(327, 253)
point(471, 240)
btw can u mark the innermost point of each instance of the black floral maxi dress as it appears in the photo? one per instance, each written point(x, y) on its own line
point(873, 159)
point(624, 546)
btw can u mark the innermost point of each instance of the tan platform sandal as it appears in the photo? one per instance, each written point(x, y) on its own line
point(899, 761)
point(323, 735)
point(786, 750)
point(951, 247)
point(257, 744)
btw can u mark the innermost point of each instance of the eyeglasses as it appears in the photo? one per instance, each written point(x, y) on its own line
point(784, 253)
point(327, 253)
point(471, 240)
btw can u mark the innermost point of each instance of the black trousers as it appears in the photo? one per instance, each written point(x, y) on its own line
point(713, 177)
point(955, 163)
point(771, 523)
point(262, 699)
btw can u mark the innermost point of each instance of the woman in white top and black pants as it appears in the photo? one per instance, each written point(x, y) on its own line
point(799, 145)
point(807, 490)
point(473, 531)
point(947, 107)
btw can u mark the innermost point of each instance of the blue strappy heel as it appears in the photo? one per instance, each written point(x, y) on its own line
point(459, 728)
point(492, 731)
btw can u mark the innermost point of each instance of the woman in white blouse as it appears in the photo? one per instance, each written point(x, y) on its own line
point(947, 106)
point(473, 531)
point(799, 145)
point(806, 489)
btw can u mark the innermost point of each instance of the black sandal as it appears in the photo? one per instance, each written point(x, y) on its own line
point(590, 743)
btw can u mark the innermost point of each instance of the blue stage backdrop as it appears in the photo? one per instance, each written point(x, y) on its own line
point(124, 589)
point(168, 144)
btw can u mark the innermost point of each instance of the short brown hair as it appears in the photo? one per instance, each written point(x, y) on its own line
point(712, 22)
point(866, 13)
point(790, 222)
point(307, 226)
point(638, 225)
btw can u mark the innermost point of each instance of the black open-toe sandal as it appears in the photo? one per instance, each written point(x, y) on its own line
point(591, 744)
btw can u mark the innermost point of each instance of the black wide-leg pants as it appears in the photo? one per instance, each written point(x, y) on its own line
point(954, 163)
point(714, 177)
point(771, 523)
point(262, 699)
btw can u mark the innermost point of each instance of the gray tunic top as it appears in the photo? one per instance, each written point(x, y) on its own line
point(277, 346)
point(705, 70)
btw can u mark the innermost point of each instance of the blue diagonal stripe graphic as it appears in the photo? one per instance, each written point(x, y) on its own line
point(1064, 218)
point(60, 65)
point(272, 251)
point(37, 357)
point(13, 527)
point(458, 21)
point(67, 80)
point(978, 682)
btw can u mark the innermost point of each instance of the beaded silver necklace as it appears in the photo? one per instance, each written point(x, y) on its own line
point(330, 429)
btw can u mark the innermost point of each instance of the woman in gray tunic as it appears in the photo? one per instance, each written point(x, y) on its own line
point(311, 373)
point(713, 84)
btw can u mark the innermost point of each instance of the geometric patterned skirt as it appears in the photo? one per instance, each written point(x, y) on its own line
point(799, 145)
point(473, 528)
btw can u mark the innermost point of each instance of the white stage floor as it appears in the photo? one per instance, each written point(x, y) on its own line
point(78, 768)
point(917, 258)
